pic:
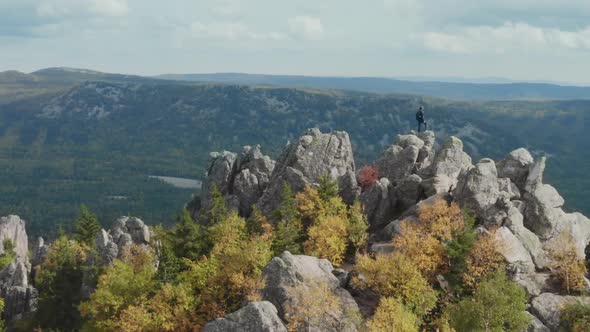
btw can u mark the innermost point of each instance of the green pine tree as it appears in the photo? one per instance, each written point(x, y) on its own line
point(457, 250)
point(288, 234)
point(187, 239)
point(328, 188)
point(87, 226)
point(218, 210)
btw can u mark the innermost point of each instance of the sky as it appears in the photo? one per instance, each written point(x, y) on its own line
point(534, 40)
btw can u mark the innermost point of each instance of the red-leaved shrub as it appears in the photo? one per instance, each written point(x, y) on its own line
point(367, 176)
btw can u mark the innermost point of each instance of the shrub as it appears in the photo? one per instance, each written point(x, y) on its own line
point(566, 266)
point(367, 177)
point(483, 259)
point(575, 318)
point(391, 315)
point(457, 251)
point(496, 305)
point(327, 238)
point(396, 276)
point(328, 188)
point(8, 256)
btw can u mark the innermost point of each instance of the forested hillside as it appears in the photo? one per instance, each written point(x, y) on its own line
point(96, 142)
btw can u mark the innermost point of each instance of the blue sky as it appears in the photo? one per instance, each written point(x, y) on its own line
point(517, 39)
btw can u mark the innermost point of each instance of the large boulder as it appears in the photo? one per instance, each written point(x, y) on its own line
point(516, 166)
point(12, 228)
point(130, 230)
point(379, 201)
point(288, 271)
point(254, 317)
point(518, 258)
point(530, 241)
point(478, 190)
point(547, 307)
point(449, 164)
point(40, 250)
point(306, 160)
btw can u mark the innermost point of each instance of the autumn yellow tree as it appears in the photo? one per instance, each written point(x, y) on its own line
point(440, 219)
point(483, 259)
point(423, 249)
point(396, 276)
point(391, 315)
point(567, 268)
point(327, 238)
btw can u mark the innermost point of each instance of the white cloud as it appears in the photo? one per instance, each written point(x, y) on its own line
point(230, 31)
point(307, 27)
point(74, 8)
point(509, 36)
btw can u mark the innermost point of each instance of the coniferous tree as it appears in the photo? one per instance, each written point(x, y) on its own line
point(186, 238)
point(288, 235)
point(87, 226)
point(328, 188)
point(218, 210)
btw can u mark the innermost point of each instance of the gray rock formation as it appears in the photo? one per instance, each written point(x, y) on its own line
point(306, 160)
point(516, 166)
point(448, 165)
point(254, 317)
point(547, 307)
point(536, 325)
point(400, 159)
point(379, 202)
point(39, 252)
point(20, 298)
point(287, 271)
point(125, 231)
point(478, 190)
point(518, 258)
point(12, 228)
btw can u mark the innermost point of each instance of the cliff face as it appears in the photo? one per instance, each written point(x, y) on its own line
point(507, 195)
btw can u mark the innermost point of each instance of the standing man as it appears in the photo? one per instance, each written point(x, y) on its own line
point(420, 119)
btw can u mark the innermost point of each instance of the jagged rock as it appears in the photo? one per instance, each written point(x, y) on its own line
point(288, 271)
point(450, 162)
point(20, 298)
point(399, 161)
point(426, 153)
point(506, 186)
point(343, 277)
point(533, 283)
point(530, 241)
point(107, 249)
point(306, 160)
point(479, 190)
point(516, 166)
point(349, 188)
point(379, 201)
point(13, 228)
point(39, 252)
point(130, 229)
point(547, 307)
point(536, 325)
point(254, 317)
point(408, 192)
point(511, 248)
point(392, 229)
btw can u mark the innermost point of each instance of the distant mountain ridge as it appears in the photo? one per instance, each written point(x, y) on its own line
point(450, 90)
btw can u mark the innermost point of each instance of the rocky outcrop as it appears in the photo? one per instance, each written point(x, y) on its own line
point(241, 178)
point(306, 160)
point(518, 258)
point(125, 231)
point(379, 202)
point(254, 317)
point(39, 252)
point(478, 190)
point(449, 164)
point(547, 307)
point(288, 271)
point(20, 298)
point(12, 228)
point(516, 166)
